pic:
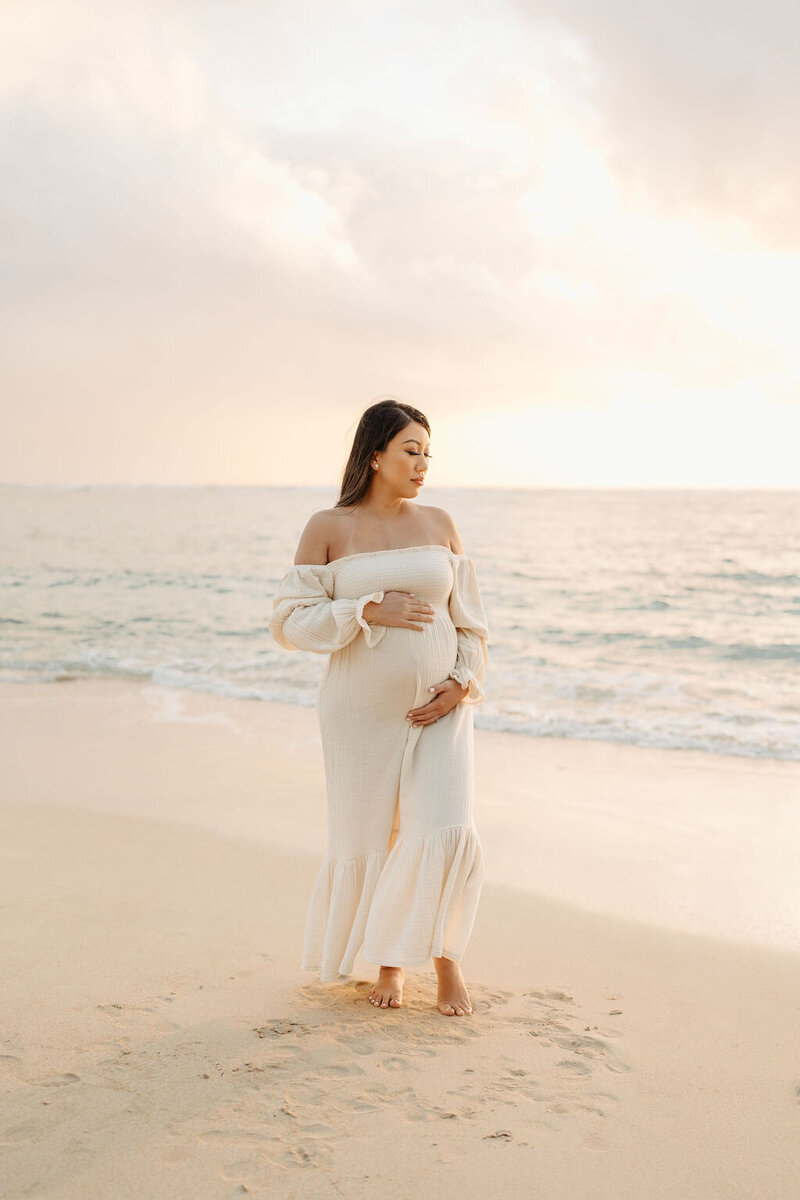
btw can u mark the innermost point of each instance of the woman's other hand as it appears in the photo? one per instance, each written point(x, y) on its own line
point(444, 696)
point(402, 609)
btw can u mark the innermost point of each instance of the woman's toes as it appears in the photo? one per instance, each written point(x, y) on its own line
point(454, 1008)
point(388, 991)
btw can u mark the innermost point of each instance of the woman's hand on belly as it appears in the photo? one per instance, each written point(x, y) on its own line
point(444, 696)
point(402, 609)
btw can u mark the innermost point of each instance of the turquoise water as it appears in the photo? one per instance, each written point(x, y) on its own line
point(661, 618)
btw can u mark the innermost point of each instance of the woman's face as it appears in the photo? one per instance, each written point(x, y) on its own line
point(403, 464)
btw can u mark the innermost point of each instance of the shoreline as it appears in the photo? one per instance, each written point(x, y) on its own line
point(112, 680)
point(684, 840)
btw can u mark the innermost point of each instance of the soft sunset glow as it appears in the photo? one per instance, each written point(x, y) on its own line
point(559, 232)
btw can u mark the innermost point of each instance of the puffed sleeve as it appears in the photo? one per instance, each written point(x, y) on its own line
point(306, 617)
point(466, 612)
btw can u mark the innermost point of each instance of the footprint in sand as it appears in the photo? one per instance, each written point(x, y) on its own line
point(556, 1027)
point(147, 1008)
point(593, 1048)
point(62, 1080)
point(258, 1172)
point(294, 1136)
point(306, 1156)
point(561, 997)
point(232, 1137)
point(484, 999)
point(341, 1070)
point(573, 1067)
point(276, 1027)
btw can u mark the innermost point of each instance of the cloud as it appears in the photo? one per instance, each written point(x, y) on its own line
point(218, 217)
point(698, 102)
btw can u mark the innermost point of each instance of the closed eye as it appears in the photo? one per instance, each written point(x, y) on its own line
point(414, 453)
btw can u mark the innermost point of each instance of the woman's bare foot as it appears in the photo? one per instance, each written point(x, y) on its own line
point(453, 999)
point(388, 991)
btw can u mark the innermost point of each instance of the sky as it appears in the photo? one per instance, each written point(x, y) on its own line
point(568, 232)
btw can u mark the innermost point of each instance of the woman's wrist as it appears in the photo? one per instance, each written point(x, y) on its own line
point(370, 612)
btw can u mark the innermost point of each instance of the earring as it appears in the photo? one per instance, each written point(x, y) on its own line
point(375, 466)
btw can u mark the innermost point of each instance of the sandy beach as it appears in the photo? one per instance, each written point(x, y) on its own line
point(636, 1031)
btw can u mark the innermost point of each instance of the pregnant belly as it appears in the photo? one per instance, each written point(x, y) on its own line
point(408, 656)
point(395, 674)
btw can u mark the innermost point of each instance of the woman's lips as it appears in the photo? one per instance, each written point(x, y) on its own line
point(417, 480)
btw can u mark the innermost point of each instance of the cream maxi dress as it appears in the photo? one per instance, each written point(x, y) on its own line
point(404, 865)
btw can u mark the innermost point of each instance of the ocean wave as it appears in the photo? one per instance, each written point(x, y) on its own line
point(741, 734)
point(777, 651)
point(666, 644)
point(753, 576)
point(785, 749)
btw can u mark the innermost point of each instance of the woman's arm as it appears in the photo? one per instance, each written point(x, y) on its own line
point(305, 615)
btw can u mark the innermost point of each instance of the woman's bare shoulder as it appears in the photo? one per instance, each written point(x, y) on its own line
point(317, 536)
point(443, 528)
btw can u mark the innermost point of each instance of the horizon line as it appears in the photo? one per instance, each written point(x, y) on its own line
point(324, 487)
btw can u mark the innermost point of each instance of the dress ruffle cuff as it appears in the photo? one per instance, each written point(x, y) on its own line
point(372, 633)
point(467, 679)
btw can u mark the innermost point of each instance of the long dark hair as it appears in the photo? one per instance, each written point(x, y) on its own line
point(377, 427)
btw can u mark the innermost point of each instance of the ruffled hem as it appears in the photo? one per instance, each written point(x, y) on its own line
point(427, 898)
point(337, 913)
point(404, 907)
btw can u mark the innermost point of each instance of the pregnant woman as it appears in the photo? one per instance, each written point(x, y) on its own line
point(382, 585)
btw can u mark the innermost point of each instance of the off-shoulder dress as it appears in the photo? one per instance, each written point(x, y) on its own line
point(404, 867)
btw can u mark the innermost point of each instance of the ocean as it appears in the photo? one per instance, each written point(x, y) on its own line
point(663, 618)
